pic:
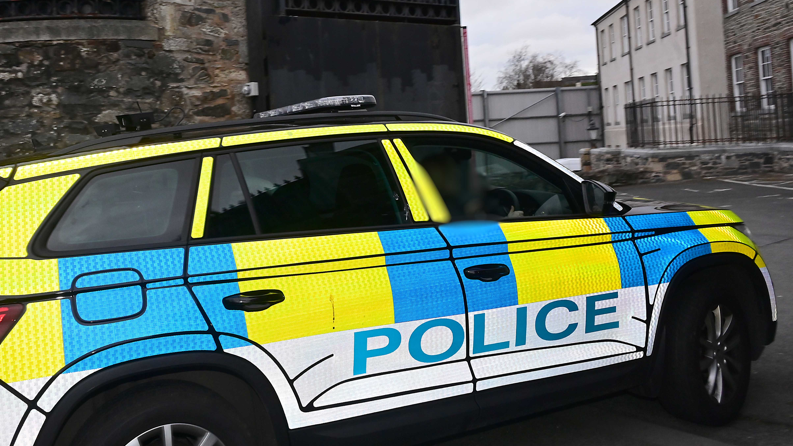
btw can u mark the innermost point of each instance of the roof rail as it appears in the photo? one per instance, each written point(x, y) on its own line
point(184, 132)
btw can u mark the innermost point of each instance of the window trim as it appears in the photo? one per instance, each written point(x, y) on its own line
point(732, 5)
point(666, 17)
point(626, 41)
point(637, 17)
point(739, 103)
point(38, 243)
point(650, 21)
point(612, 42)
point(603, 45)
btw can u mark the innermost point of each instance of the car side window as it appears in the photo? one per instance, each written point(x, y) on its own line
point(477, 181)
point(138, 206)
point(321, 186)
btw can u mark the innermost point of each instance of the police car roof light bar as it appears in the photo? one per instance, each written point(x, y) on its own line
point(329, 104)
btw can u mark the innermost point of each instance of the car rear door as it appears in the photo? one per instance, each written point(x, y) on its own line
point(549, 292)
point(309, 256)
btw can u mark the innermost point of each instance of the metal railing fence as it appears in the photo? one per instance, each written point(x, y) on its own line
point(13, 10)
point(710, 120)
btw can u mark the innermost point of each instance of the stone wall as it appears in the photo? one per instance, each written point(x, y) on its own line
point(636, 166)
point(755, 24)
point(60, 77)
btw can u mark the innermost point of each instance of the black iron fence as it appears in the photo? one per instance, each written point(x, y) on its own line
point(710, 120)
point(11, 10)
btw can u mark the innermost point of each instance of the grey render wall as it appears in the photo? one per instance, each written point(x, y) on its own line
point(536, 117)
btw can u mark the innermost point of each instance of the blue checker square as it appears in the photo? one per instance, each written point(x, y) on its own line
point(669, 246)
point(488, 295)
point(211, 259)
point(425, 291)
point(224, 321)
point(656, 221)
point(159, 264)
point(169, 310)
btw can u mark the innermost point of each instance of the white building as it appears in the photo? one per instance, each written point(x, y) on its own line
point(658, 49)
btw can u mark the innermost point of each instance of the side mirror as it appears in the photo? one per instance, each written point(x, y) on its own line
point(599, 199)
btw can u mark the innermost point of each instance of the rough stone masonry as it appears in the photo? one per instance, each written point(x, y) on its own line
point(58, 78)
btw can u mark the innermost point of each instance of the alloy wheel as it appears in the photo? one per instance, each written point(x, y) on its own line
point(719, 364)
point(176, 435)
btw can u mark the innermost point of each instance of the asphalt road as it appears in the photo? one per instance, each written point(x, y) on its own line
point(766, 204)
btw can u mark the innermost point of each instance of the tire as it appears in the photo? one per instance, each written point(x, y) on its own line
point(188, 413)
point(708, 363)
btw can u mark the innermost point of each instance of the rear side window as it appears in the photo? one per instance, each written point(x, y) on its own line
point(321, 186)
point(140, 206)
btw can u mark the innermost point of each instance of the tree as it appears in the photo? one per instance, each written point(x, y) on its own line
point(477, 81)
point(534, 70)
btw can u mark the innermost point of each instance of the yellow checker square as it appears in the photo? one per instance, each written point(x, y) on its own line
point(718, 247)
point(412, 196)
point(322, 303)
point(312, 268)
point(714, 217)
point(303, 250)
point(282, 135)
point(20, 277)
point(429, 193)
point(24, 208)
point(448, 128)
point(595, 228)
point(34, 348)
point(558, 274)
point(113, 156)
point(202, 200)
point(5, 172)
point(759, 261)
point(727, 234)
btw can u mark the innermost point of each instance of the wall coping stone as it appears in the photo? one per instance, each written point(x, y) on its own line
point(693, 151)
point(77, 29)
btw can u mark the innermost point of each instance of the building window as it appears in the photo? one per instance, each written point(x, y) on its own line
point(642, 89)
point(681, 13)
point(650, 21)
point(667, 19)
point(766, 75)
point(606, 99)
point(603, 46)
point(738, 86)
point(616, 105)
point(686, 80)
point(628, 92)
point(655, 86)
point(791, 58)
point(637, 17)
point(670, 84)
point(625, 40)
point(611, 41)
point(732, 5)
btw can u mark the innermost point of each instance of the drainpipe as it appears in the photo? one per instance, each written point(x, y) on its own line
point(485, 109)
point(691, 120)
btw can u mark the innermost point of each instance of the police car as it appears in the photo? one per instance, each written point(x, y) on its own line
point(352, 277)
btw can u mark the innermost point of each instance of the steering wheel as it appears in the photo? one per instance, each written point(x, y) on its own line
point(505, 200)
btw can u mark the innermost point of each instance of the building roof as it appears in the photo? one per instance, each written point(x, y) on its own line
point(610, 11)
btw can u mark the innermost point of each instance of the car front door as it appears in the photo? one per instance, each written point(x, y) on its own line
point(310, 255)
point(549, 291)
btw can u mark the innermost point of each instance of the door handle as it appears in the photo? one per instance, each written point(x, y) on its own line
point(487, 273)
point(252, 301)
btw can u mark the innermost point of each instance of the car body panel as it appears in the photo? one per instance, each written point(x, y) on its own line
point(87, 313)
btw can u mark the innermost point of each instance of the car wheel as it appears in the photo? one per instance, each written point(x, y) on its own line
point(708, 359)
point(166, 414)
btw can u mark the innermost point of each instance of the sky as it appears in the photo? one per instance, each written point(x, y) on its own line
point(496, 28)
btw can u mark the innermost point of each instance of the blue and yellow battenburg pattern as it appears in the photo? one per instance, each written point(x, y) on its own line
point(335, 283)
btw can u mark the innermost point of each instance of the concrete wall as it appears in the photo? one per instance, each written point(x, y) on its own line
point(654, 56)
point(60, 77)
point(536, 121)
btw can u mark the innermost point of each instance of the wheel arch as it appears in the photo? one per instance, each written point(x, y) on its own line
point(759, 310)
point(108, 382)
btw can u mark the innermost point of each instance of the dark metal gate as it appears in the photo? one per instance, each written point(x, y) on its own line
point(408, 53)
